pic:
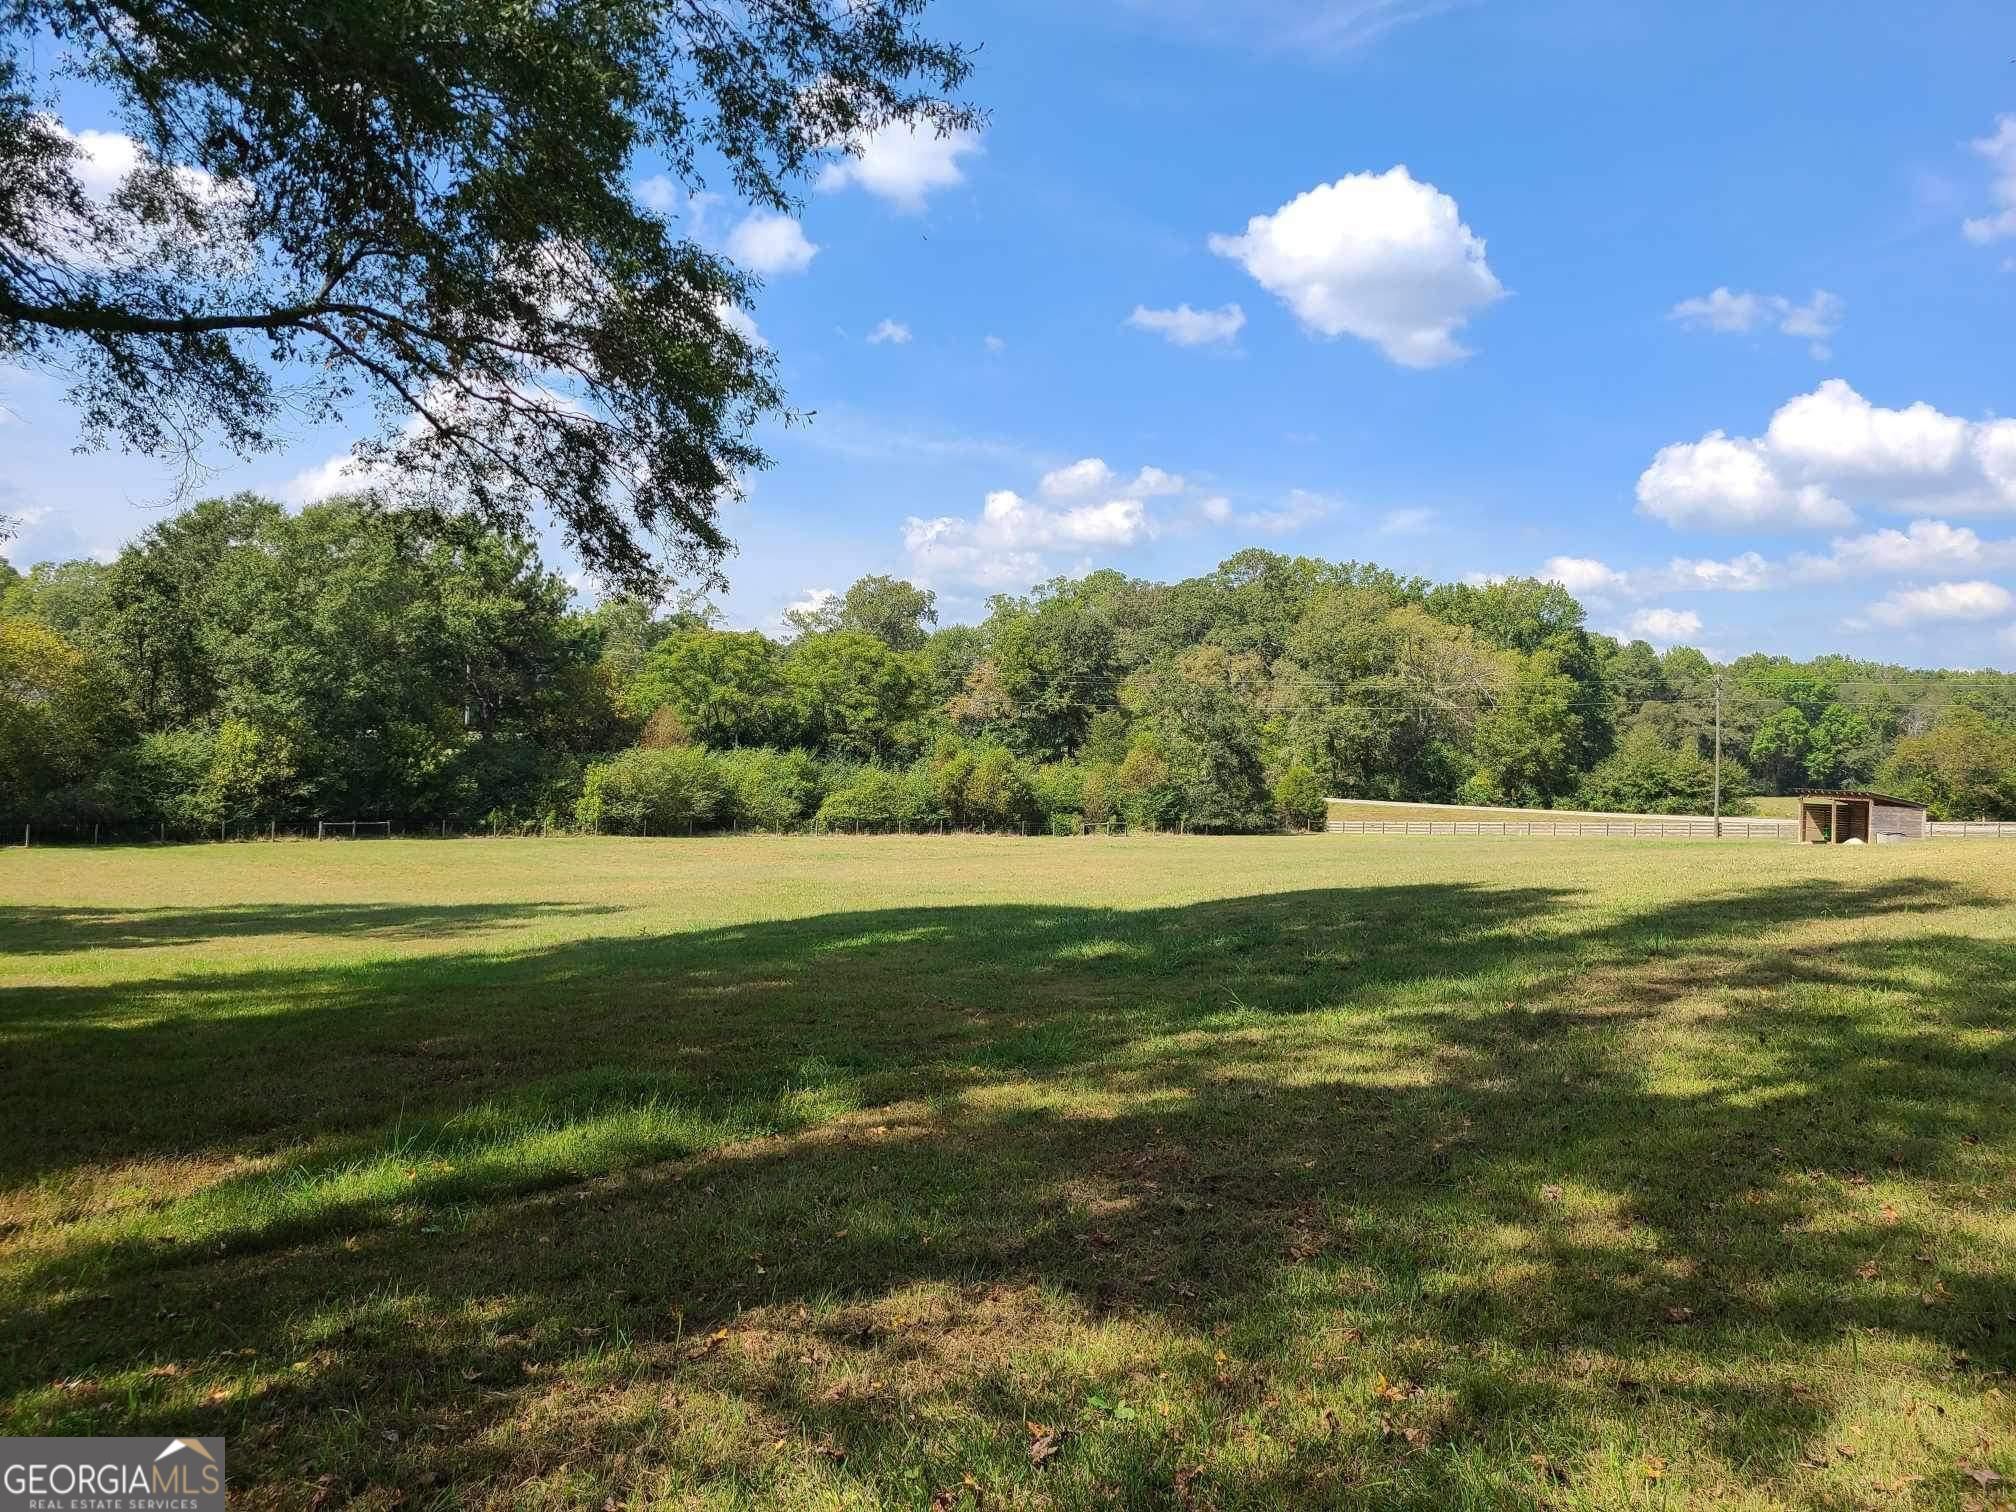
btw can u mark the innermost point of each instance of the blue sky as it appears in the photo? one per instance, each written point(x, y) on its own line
point(1704, 309)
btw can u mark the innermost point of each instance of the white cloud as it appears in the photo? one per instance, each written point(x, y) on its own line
point(1926, 546)
point(340, 474)
point(1087, 475)
point(1970, 601)
point(2000, 151)
point(1005, 544)
point(1747, 573)
point(1153, 483)
point(1581, 575)
point(1406, 521)
point(1185, 327)
point(740, 321)
point(1298, 507)
point(659, 193)
point(889, 333)
point(902, 164)
point(1585, 576)
point(1382, 257)
point(1831, 443)
point(1665, 627)
point(994, 344)
point(1091, 475)
point(1722, 483)
point(812, 602)
point(767, 243)
point(1719, 311)
point(1815, 321)
point(1084, 507)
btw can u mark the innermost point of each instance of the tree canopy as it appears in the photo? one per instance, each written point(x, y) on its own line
point(426, 209)
point(237, 663)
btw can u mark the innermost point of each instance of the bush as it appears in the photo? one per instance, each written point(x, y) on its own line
point(1299, 795)
point(877, 798)
point(999, 793)
point(641, 791)
point(1647, 776)
point(1059, 791)
point(771, 790)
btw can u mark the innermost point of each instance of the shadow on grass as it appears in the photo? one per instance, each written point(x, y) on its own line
point(31, 930)
point(1505, 1143)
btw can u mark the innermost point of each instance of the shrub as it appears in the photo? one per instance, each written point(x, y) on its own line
point(642, 790)
point(881, 799)
point(1059, 790)
point(1298, 794)
point(999, 793)
point(768, 789)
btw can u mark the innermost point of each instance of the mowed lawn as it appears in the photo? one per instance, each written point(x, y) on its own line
point(1320, 1171)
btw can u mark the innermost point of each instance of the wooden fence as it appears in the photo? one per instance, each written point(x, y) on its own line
point(1972, 830)
point(1646, 829)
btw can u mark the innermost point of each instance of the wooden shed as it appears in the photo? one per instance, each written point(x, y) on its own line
point(1834, 817)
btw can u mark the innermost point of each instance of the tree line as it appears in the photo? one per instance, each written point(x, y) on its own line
point(239, 665)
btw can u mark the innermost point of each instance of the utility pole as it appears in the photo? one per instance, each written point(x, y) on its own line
point(1718, 755)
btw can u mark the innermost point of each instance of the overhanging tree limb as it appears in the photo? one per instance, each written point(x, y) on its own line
point(382, 201)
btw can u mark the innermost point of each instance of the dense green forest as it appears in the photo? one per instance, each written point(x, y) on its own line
point(241, 666)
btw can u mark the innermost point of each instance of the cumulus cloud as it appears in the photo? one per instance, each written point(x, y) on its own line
point(768, 243)
point(1580, 575)
point(1815, 321)
point(1082, 508)
point(1665, 627)
point(1926, 546)
point(1297, 508)
point(813, 602)
point(740, 321)
point(994, 344)
point(903, 165)
point(1091, 475)
point(1005, 544)
point(1379, 256)
point(1185, 327)
point(1722, 482)
point(1586, 576)
point(2000, 152)
point(1963, 602)
point(1826, 445)
point(889, 333)
point(1087, 475)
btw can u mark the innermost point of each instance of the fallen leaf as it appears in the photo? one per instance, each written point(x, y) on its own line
point(1679, 1314)
point(1551, 1192)
point(1044, 1443)
point(1867, 1270)
point(1185, 1479)
point(1654, 1467)
point(1546, 1469)
point(1981, 1475)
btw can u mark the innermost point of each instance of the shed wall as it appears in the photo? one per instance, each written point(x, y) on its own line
point(1887, 819)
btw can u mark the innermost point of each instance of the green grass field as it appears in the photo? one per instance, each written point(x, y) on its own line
point(944, 1173)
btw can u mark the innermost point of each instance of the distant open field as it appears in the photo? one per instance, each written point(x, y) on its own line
point(1273, 1172)
point(1767, 808)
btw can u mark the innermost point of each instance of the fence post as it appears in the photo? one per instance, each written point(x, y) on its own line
point(27, 836)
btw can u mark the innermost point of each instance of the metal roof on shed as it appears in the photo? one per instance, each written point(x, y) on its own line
point(1882, 798)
